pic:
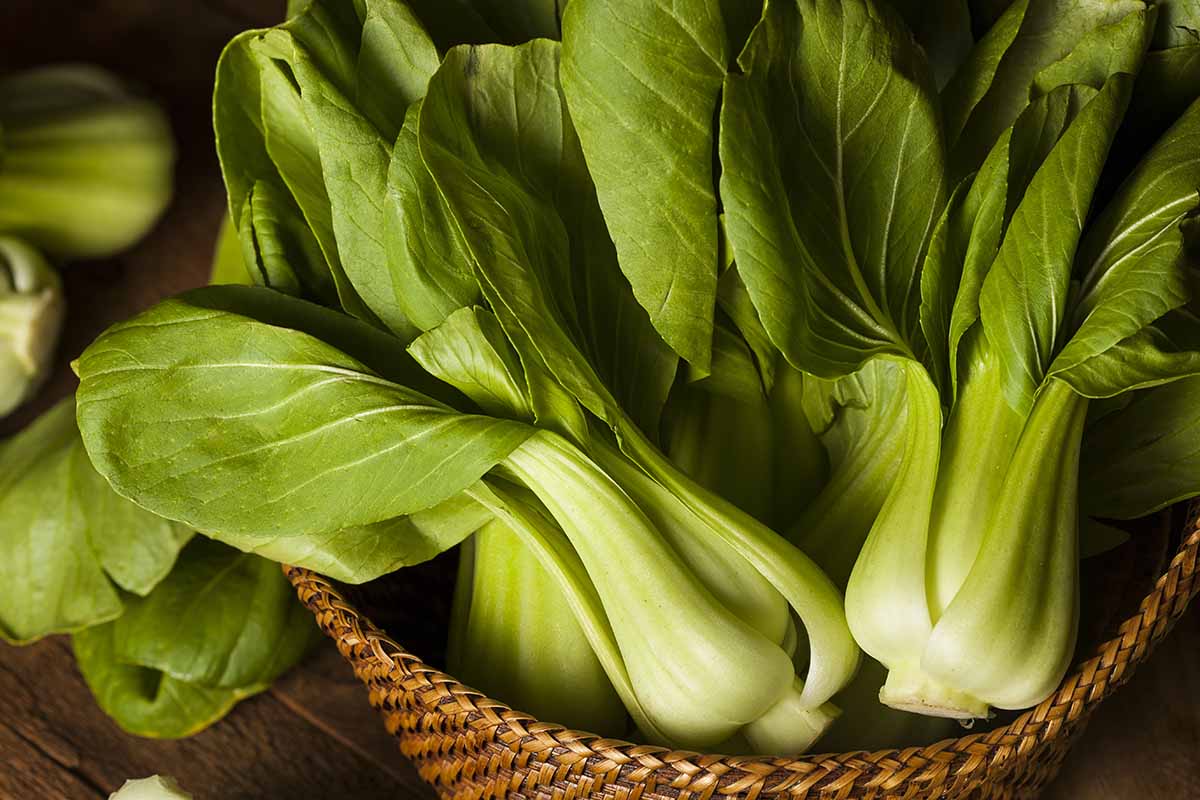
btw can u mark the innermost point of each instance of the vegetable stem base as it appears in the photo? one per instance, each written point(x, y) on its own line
point(910, 689)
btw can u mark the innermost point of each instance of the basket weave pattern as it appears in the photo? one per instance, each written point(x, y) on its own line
point(467, 745)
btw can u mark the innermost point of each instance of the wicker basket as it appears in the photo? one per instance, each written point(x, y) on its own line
point(469, 746)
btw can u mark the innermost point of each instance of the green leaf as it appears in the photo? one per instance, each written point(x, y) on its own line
point(143, 701)
point(262, 134)
point(943, 29)
point(643, 81)
point(228, 266)
point(354, 158)
point(1114, 48)
point(997, 190)
point(67, 537)
point(734, 299)
point(1165, 351)
point(281, 248)
point(270, 431)
point(469, 352)
point(832, 180)
point(996, 90)
point(1132, 261)
point(862, 422)
point(1024, 295)
point(395, 59)
point(942, 274)
point(1168, 83)
point(244, 626)
point(428, 259)
point(365, 552)
point(975, 76)
point(1145, 456)
point(1178, 23)
point(504, 179)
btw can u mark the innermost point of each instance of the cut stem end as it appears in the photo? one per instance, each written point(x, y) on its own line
point(913, 691)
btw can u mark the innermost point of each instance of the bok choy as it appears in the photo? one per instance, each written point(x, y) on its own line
point(672, 405)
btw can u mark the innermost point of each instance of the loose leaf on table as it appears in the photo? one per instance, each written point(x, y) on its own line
point(643, 81)
point(244, 626)
point(270, 431)
point(1143, 457)
point(831, 188)
point(143, 701)
point(69, 542)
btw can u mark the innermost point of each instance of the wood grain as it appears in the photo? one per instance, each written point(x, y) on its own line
point(313, 734)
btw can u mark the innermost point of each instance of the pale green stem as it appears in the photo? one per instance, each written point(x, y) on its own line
point(697, 669)
point(1008, 635)
point(977, 446)
point(886, 605)
point(521, 644)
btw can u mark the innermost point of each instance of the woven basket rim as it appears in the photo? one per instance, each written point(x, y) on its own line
point(540, 754)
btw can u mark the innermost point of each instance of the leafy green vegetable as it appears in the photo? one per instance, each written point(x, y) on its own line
point(1142, 458)
point(516, 642)
point(244, 626)
point(31, 312)
point(72, 544)
point(275, 473)
point(643, 81)
point(243, 629)
point(993, 86)
point(86, 167)
point(828, 138)
point(893, 305)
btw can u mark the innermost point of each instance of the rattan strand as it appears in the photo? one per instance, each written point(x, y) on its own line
point(468, 746)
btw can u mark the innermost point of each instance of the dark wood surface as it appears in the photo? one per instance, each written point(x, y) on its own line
point(313, 735)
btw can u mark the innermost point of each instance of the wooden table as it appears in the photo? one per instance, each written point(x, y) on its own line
point(313, 735)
